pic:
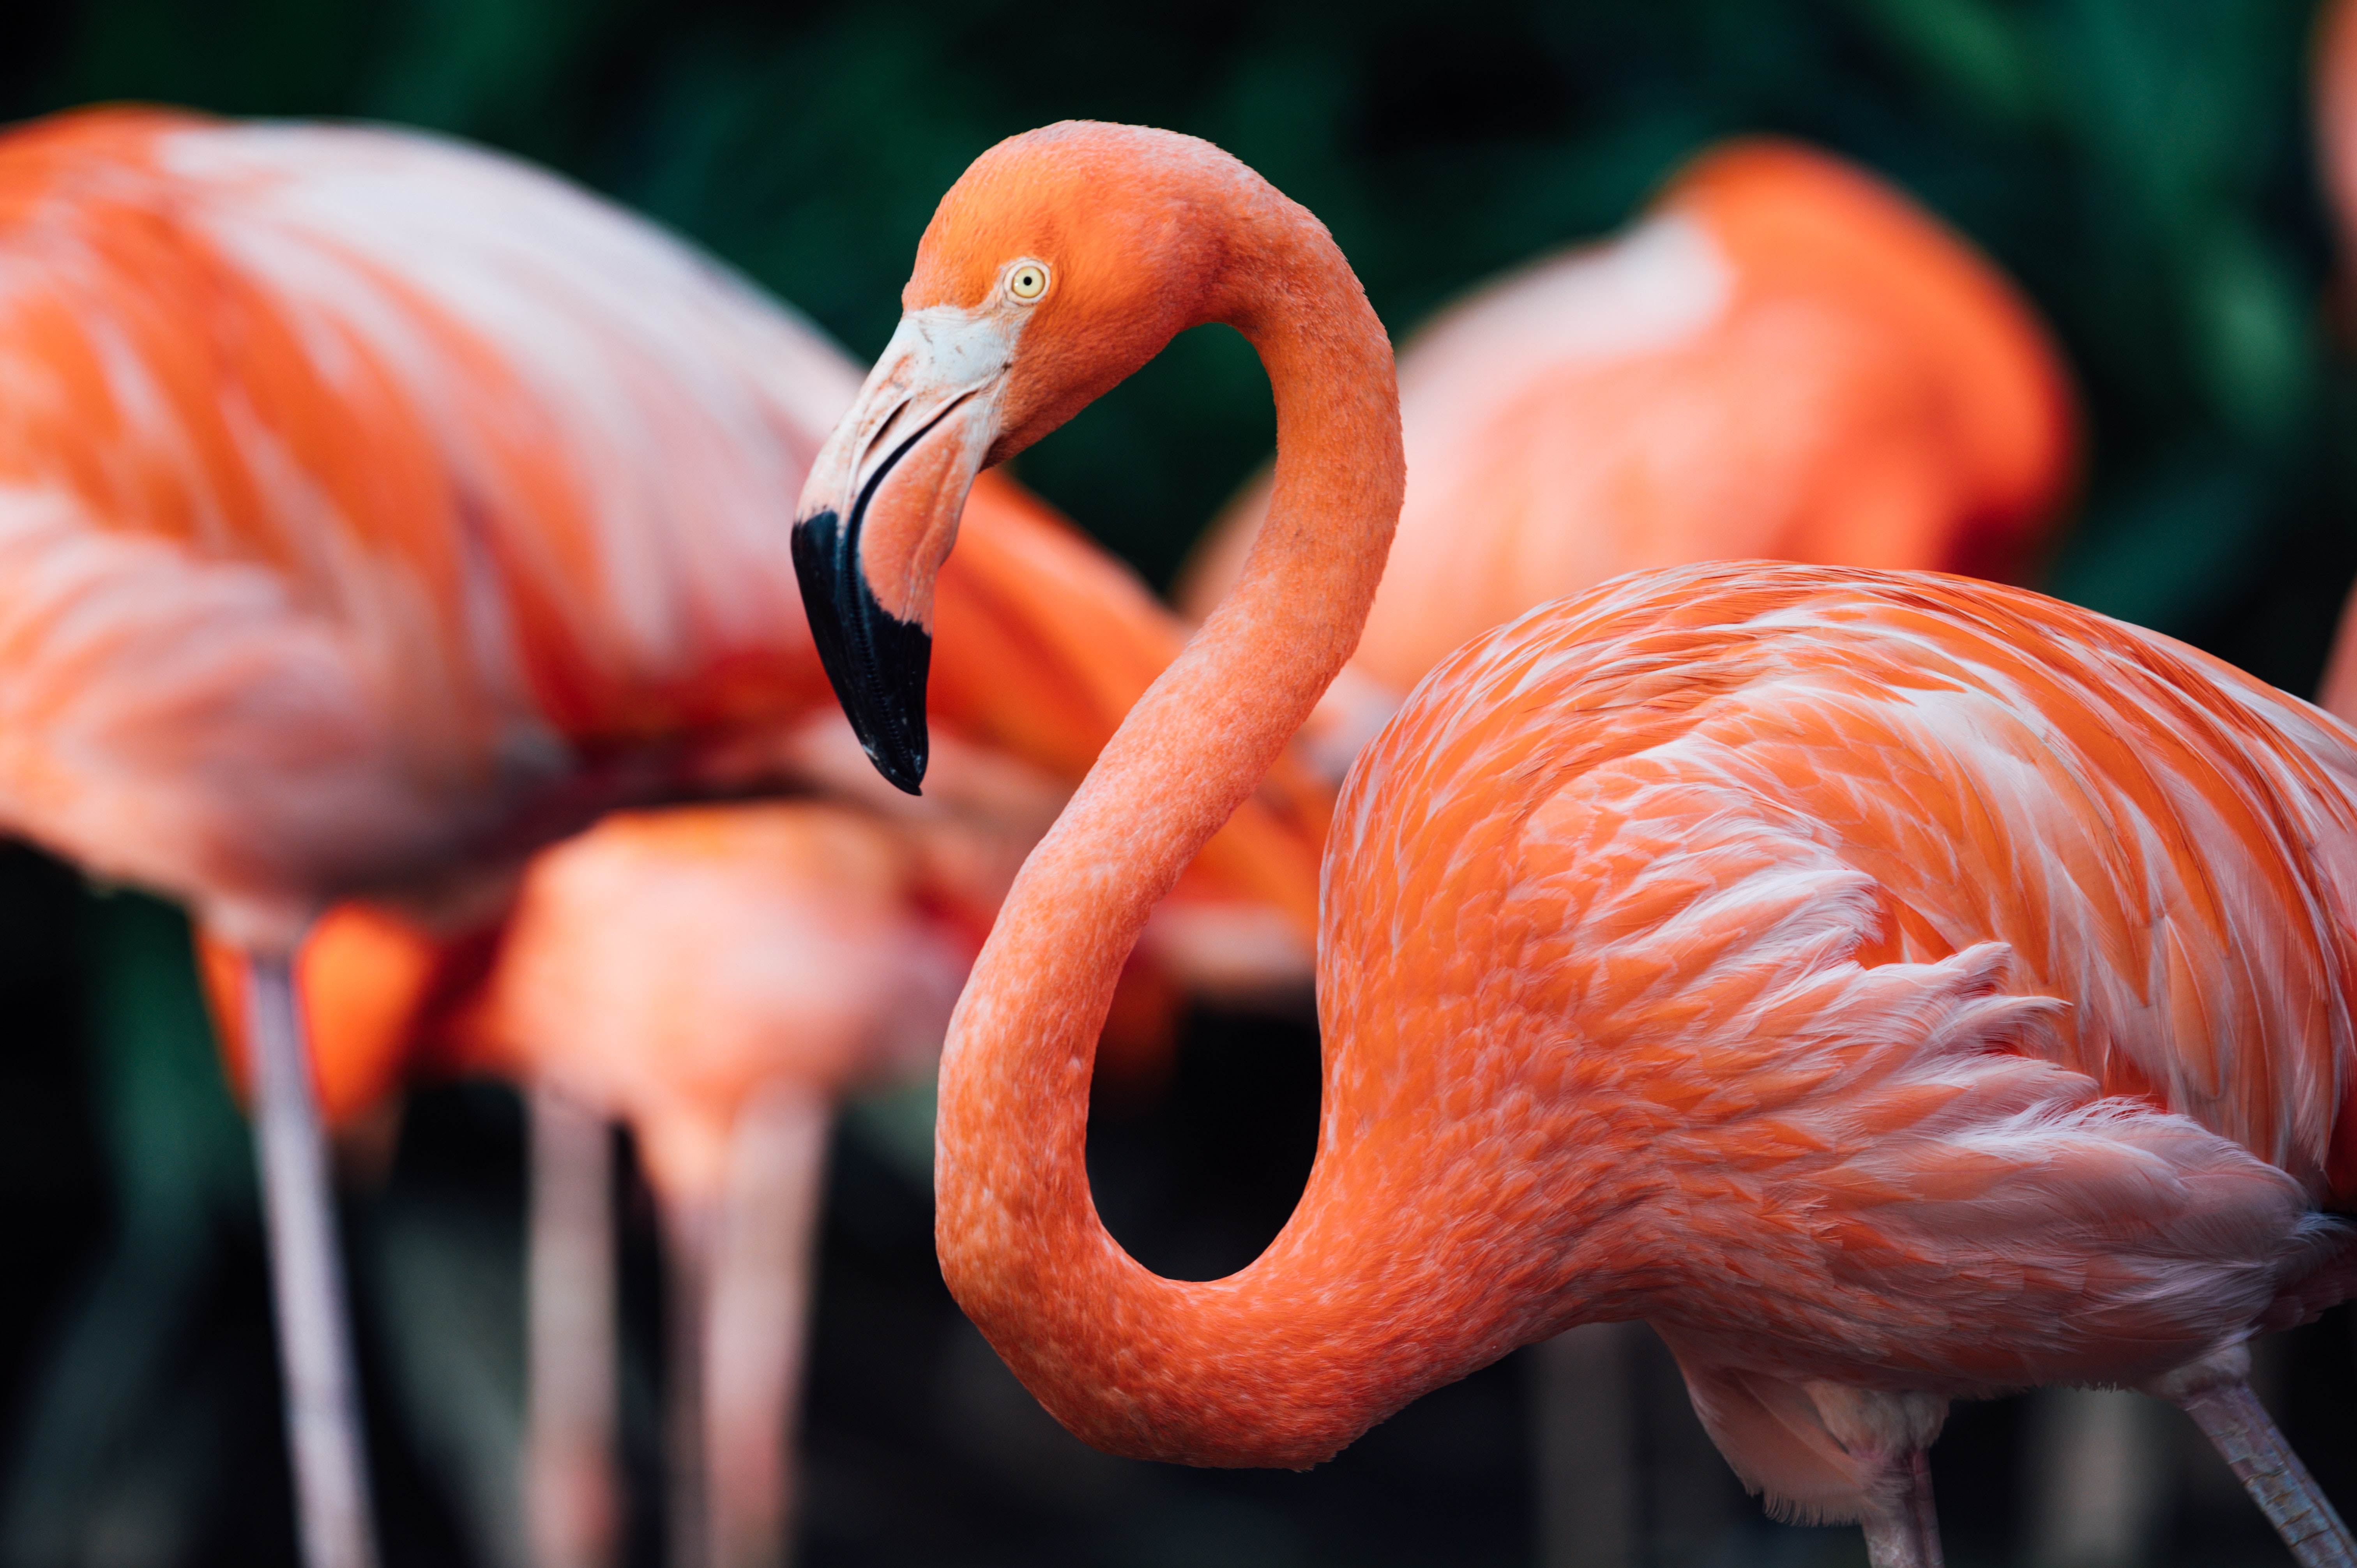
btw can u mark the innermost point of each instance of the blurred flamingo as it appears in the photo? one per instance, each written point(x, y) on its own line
point(1784, 359)
point(372, 512)
point(1894, 987)
point(720, 977)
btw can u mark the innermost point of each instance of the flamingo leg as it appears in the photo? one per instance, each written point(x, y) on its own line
point(2243, 1431)
point(1902, 1527)
point(307, 1278)
point(2098, 1465)
point(690, 1226)
point(756, 1325)
point(573, 1493)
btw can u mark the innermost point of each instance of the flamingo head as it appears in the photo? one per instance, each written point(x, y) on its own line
point(1062, 260)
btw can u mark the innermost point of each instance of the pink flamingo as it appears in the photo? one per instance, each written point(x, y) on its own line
point(1893, 987)
point(720, 977)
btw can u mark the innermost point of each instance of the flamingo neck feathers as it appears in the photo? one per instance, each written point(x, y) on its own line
point(1273, 1365)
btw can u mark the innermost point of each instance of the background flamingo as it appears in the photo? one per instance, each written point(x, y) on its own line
point(719, 978)
point(1831, 967)
point(1783, 358)
point(373, 511)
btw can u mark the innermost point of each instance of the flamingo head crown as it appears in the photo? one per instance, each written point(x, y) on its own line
point(1062, 260)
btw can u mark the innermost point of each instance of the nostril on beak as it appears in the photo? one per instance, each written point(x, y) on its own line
point(884, 432)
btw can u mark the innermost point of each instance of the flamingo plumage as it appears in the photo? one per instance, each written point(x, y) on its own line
point(372, 512)
point(1894, 987)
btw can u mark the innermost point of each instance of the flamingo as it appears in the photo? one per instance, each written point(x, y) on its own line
point(720, 977)
point(1891, 986)
point(1782, 358)
point(372, 512)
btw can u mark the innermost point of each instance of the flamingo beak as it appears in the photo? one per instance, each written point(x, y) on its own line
point(880, 513)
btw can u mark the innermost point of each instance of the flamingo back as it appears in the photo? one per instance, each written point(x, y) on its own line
point(2162, 843)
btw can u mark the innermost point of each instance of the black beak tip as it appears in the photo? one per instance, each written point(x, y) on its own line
point(876, 662)
point(902, 766)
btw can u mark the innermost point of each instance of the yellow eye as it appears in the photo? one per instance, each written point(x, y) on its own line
point(1028, 282)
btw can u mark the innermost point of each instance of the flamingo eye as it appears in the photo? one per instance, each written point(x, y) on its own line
point(1028, 282)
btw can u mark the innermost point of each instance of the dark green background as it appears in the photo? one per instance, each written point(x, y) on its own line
point(2142, 166)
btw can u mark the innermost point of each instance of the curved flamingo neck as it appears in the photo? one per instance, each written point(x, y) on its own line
point(1232, 1371)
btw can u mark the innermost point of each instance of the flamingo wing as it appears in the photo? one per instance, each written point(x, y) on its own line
point(1866, 976)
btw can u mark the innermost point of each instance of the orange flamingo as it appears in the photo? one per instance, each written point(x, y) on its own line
point(373, 510)
point(1784, 359)
point(1893, 987)
point(719, 978)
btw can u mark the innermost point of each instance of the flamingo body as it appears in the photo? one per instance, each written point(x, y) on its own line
point(1719, 1016)
point(1732, 995)
point(320, 563)
point(668, 965)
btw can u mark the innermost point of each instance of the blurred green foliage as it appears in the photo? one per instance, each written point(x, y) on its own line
point(2141, 166)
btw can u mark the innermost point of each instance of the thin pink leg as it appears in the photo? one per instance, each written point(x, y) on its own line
point(2243, 1432)
point(1927, 1514)
point(1903, 1529)
point(306, 1283)
point(573, 1493)
point(691, 1226)
point(756, 1325)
